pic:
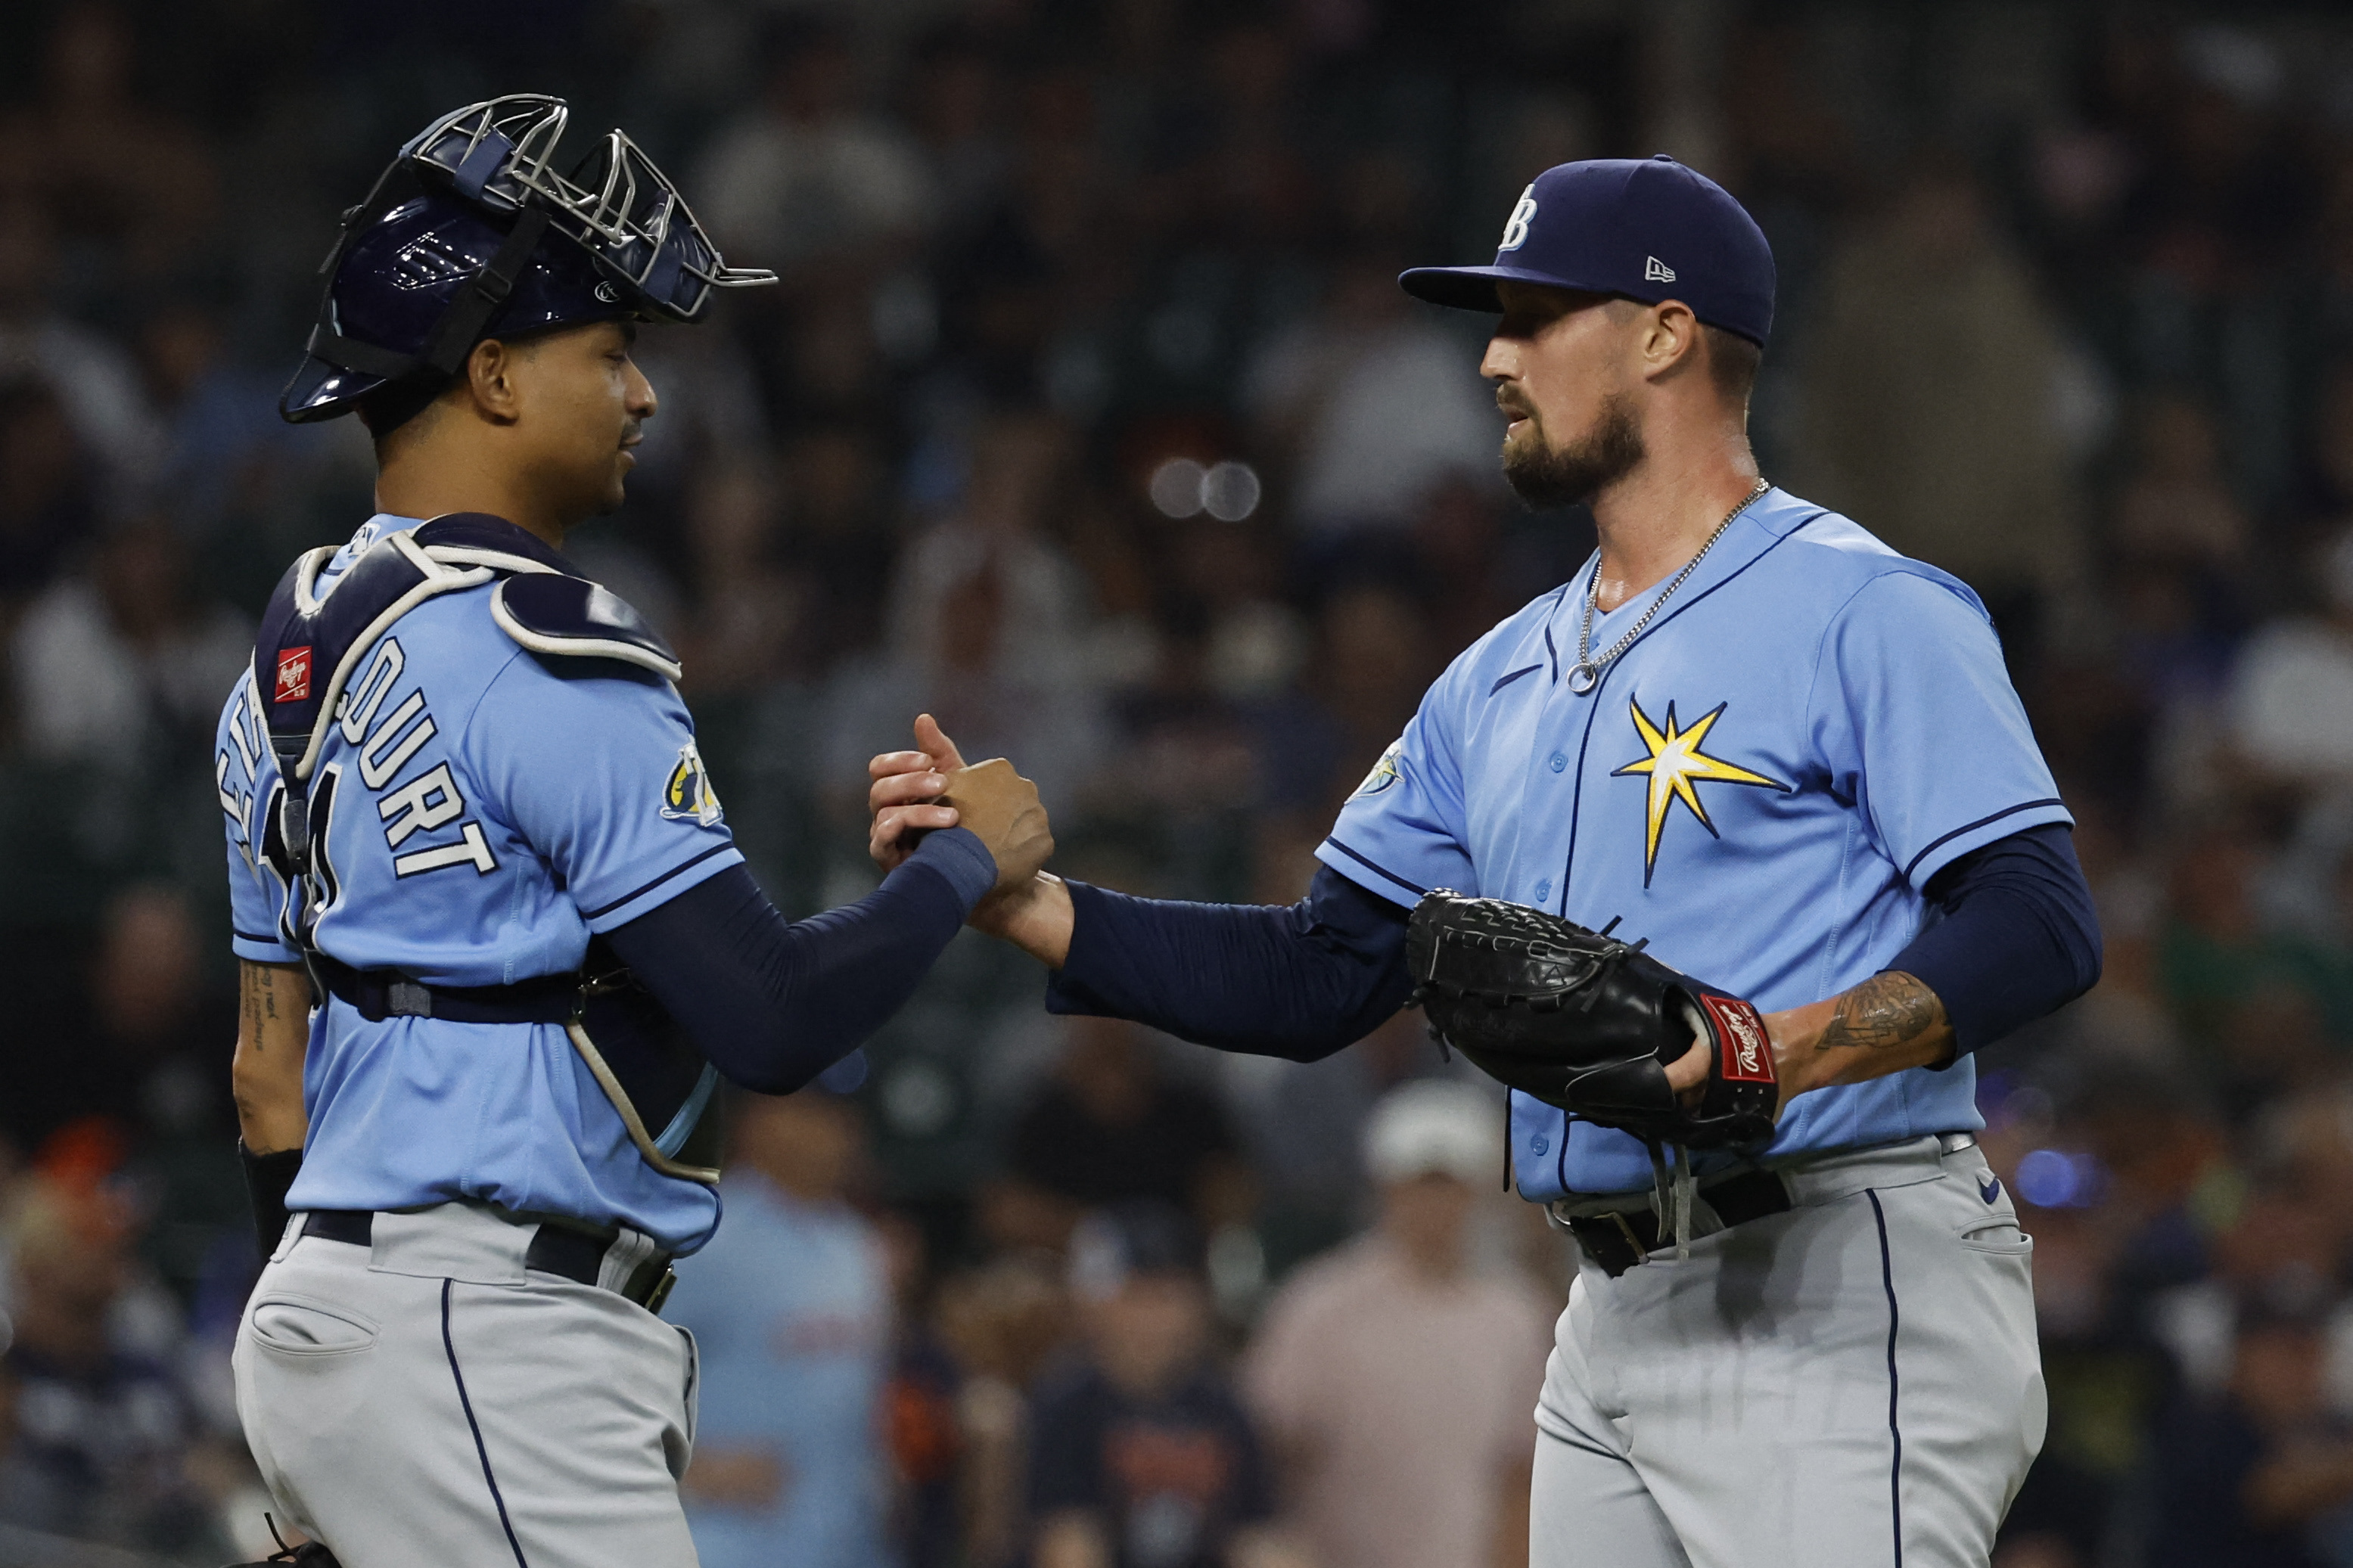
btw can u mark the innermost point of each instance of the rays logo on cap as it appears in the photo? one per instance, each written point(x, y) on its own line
point(689, 797)
point(1515, 228)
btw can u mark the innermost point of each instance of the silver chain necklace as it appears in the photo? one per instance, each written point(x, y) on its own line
point(1585, 673)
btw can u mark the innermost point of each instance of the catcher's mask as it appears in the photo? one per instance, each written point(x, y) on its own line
point(471, 233)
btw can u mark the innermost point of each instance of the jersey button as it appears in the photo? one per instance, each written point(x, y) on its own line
point(1544, 889)
point(1557, 762)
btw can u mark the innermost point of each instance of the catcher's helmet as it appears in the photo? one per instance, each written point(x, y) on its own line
point(469, 235)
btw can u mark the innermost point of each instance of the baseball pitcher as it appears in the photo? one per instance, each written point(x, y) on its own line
point(1723, 857)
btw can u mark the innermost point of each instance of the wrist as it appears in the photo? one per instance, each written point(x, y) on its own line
point(1799, 1060)
point(1036, 917)
point(958, 855)
point(268, 1178)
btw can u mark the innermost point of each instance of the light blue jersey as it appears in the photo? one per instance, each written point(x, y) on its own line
point(1811, 729)
point(490, 809)
point(791, 1307)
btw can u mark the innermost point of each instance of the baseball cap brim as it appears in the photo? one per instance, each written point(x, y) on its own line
point(1474, 288)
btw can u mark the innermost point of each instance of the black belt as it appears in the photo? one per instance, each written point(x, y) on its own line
point(574, 1255)
point(1619, 1241)
point(380, 993)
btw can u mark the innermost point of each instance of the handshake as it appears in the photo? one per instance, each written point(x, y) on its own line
point(919, 792)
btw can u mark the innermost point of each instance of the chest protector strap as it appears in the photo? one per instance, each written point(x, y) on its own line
point(309, 647)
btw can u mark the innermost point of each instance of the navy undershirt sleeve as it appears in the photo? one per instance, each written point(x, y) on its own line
point(773, 1003)
point(1299, 981)
point(2013, 935)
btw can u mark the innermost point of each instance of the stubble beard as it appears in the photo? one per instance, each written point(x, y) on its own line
point(1546, 475)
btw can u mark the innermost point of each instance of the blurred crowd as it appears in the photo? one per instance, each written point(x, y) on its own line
point(1088, 417)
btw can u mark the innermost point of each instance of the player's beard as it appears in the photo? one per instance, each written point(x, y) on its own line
point(1550, 475)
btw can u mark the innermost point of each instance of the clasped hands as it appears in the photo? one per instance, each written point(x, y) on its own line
point(917, 791)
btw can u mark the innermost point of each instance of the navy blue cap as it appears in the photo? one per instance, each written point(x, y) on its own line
point(1648, 228)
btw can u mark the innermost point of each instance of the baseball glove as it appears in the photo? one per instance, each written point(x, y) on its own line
point(1587, 1023)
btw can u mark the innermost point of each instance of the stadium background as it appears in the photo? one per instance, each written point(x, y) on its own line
point(1088, 417)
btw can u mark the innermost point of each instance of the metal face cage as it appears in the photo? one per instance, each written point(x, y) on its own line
point(616, 204)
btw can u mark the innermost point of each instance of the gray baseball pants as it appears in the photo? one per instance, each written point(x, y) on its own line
point(1852, 1384)
point(426, 1400)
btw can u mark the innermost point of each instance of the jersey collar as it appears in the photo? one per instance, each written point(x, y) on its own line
point(478, 529)
point(1768, 520)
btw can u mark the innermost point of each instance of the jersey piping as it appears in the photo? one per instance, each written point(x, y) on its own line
point(1593, 708)
point(1377, 868)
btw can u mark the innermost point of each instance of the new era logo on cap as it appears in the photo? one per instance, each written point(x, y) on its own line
point(1657, 271)
point(293, 675)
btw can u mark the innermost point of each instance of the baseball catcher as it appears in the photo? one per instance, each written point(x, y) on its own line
point(497, 945)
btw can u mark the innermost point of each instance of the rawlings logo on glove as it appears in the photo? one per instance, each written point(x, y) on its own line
point(1747, 1054)
point(1587, 1023)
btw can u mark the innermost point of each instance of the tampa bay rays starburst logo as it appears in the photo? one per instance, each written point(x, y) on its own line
point(1676, 768)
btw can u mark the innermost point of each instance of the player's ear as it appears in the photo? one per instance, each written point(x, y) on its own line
point(1669, 339)
point(492, 381)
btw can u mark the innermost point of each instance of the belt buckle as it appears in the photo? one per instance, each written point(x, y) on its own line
point(661, 1292)
point(405, 998)
point(1618, 1218)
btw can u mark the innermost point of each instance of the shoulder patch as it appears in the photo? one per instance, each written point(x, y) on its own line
point(688, 796)
point(549, 613)
point(1385, 771)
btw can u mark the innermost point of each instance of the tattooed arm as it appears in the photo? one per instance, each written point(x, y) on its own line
point(273, 1033)
point(1890, 1022)
point(2018, 938)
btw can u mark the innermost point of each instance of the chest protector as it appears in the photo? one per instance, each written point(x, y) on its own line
point(657, 1079)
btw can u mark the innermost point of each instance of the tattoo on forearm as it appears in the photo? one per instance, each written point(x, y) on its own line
point(257, 986)
point(1884, 1012)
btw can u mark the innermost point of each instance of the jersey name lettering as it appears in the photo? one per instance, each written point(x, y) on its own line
point(243, 733)
point(357, 709)
point(376, 766)
point(429, 801)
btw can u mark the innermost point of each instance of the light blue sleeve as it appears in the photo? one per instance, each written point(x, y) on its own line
point(594, 764)
point(243, 774)
point(1913, 711)
point(1401, 834)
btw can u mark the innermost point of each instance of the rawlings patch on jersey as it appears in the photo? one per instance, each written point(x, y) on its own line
point(1675, 767)
point(689, 797)
point(293, 675)
point(1385, 772)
